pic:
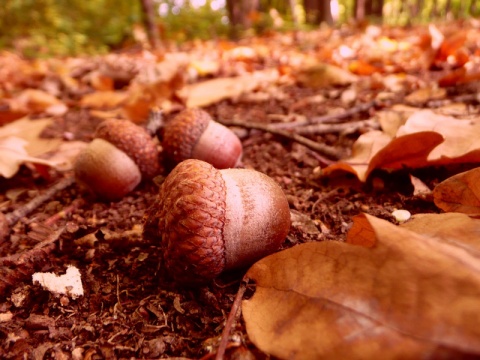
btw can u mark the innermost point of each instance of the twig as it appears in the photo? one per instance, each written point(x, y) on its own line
point(19, 267)
point(232, 316)
point(467, 98)
point(65, 212)
point(336, 128)
point(23, 211)
point(326, 150)
point(332, 118)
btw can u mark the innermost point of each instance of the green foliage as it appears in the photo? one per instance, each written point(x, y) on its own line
point(403, 12)
point(66, 27)
point(70, 27)
point(187, 23)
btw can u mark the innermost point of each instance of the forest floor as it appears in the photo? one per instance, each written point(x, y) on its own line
point(129, 308)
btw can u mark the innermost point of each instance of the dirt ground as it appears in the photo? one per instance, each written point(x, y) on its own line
point(130, 308)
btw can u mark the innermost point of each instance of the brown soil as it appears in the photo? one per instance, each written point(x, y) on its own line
point(130, 308)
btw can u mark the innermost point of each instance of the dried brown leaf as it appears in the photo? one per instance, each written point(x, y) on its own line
point(459, 193)
point(461, 143)
point(324, 75)
point(104, 99)
point(20, 142)
point(456, 228)
point(34, 100)
point(421, 96)
point(155, 85)
point(407, 296)
point(425, 139)
point(212, 91)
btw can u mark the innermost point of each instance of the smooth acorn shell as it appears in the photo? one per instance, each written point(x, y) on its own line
point(257, 217)
point(208, 220)
point(193, 134)
point(106, 170)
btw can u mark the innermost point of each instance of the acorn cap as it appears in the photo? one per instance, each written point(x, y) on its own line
point(134, 141)
point(188, 219)
point(182, 133)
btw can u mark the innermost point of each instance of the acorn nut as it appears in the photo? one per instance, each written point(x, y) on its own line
point(193, 134)
point(208, 220)
point(115, 162)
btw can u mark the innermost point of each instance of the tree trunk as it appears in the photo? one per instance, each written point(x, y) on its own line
point(435, 9)
point(377, 8)
point(318, 11)
point(417, 8)
point(293, 10)
point(240, 14)
point(448, 6)
point(368, 8)
point(359, 9)
point(473, 7)
point(150, 25)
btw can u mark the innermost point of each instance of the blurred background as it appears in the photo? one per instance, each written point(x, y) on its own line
point(40, 28)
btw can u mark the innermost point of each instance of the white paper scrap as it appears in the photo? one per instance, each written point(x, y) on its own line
point(68, 284)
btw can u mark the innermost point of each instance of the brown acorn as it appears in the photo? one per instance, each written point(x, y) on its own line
point(115, 162)
point(193, 134)
point(208, 220)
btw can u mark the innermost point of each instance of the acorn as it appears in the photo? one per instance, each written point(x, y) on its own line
point(193, 134)
point(207, 221)
point(115, 162)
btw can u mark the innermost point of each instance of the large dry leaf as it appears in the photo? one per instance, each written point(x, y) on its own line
point(460, 193)
point(408, 296)
point(13, 154)
point(212, 91)
point(154, 85)
point(421, 96)
point(34, 100)
point(104, 99)
point(456, 228)
point(30, 130)
point(324, 75)
point(425, 139)
point(376, 150)
point(391, 119)
point(20, 142)
point(461, 136)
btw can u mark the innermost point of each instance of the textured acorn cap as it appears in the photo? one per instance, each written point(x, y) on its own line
point(182, 133)
point(188, 219)
point(134, 141)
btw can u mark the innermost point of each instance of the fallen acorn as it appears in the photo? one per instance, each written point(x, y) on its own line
point(193, 134)
point(207, 221)
point(115, 162)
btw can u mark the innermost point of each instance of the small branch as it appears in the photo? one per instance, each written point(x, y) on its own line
point(333, 118)
point(16, 215)
point(323, 149)
point(20, 267)
point(352, 126)
point(232, 316)
point(65, 212)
